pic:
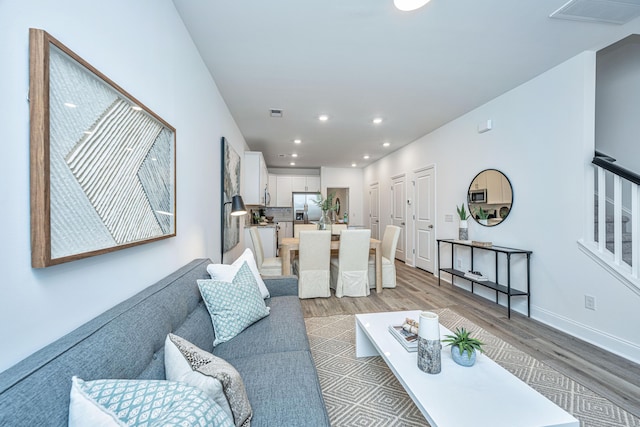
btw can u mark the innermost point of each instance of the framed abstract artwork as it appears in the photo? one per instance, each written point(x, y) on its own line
point(103, 166)
point(230, 187)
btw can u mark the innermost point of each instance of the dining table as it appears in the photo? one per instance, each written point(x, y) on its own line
point(292, 244)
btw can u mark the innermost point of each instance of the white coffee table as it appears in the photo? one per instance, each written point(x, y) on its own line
point(483, 395)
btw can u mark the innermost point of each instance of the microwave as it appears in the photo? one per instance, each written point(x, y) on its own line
point(478, 196)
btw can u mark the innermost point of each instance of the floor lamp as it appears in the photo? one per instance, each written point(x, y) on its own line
point(237, 209)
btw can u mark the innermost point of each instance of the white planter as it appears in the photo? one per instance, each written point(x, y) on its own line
point(464, 223)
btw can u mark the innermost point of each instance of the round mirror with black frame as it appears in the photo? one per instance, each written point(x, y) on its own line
point(337, 205)
point(490, 197)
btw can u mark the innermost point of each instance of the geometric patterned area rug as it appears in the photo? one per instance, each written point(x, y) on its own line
point(364, 391)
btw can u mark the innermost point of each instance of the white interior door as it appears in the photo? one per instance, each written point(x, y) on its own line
point(424, 211)
point(374, 211)
point(399, 212)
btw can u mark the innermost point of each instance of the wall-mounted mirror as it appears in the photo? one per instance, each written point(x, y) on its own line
point(490, 197)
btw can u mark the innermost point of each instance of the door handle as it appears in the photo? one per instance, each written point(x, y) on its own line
point(430, 225)
point(402, 223)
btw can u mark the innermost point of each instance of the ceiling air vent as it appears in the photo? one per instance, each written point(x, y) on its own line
point(275, 112)
point(609, 11)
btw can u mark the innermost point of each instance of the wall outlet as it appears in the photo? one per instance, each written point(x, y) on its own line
point(459, 264)
point(590, 302)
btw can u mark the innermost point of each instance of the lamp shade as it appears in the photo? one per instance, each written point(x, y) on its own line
point(409, 5)
point(237, 206)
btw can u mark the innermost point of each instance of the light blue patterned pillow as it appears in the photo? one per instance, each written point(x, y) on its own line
point(143, 403)
point(233, 306)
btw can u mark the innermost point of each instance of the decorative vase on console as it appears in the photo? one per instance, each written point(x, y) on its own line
point(463, 228)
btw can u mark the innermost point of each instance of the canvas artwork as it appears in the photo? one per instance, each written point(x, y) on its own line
point(103, 169)
point(230, 187)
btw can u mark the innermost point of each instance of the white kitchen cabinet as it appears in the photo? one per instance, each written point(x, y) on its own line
point(284, 185)
point(287, 184)
point(480, 182)
point(256, 178)
point(272, 188)
point(298, 184)
point(268, 238)
point(498, 188)
point(313, 184)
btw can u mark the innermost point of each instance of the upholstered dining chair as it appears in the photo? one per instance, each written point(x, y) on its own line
point(297, 228)
point(312, 264)
point(349, 271)
point(266, 266)
point(337, 228)
point(388, 250)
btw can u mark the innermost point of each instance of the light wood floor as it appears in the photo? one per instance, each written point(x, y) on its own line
point(611, 376)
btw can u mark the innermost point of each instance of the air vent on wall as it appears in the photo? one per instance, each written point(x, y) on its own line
point(275, 112)
point(608, 11)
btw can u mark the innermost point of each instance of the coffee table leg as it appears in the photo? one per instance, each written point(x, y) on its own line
point(364, 347)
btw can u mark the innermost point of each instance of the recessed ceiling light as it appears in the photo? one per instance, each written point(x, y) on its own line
point(292, 164)
point(70, 105)
point(366, 157)
point(323, 117)
point(377, 120)
point(386, 144)
point(294, 155)
point(353, 165)
point(297, 141)
point(409, 5)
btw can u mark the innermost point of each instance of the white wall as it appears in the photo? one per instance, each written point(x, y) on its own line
point(350, 178)
point(143, 46)
point(543, 141)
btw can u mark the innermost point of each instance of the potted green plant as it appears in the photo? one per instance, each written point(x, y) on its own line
point(482, 216)
point(463, 229)
point(326, 205)
point(463, 347)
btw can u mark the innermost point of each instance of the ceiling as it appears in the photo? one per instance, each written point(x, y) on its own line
point(355, 60)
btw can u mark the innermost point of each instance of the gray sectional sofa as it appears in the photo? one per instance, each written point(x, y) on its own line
point(127, 341)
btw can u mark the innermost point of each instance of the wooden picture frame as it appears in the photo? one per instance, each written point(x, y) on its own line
point(103, 166)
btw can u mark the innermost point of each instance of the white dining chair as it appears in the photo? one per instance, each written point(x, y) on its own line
point(266, 266)
point(388, 251)
point(297, 228)
point(349, 271)
point(337, 228)
point(312, 264)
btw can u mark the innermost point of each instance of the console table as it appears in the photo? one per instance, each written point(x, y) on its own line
point(495, 285)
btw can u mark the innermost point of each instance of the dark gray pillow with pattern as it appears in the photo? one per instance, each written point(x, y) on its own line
point(211, 367)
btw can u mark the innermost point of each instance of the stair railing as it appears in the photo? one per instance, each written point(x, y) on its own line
point(610, 248)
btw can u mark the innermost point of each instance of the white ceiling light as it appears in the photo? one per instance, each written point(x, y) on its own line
point(377, 120)
point(292, 164)
point(409, 5)
point(297, 141)
point(353, 165)
point(294, 155)
point(323, 118)
point(366, 157)
point(386, 144)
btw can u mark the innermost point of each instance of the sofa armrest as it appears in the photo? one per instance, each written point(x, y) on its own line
point(281, 285)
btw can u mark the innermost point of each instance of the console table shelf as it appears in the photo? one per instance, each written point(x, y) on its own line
point(496, 286)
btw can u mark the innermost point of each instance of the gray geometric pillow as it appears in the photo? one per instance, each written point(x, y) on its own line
point(208, 365)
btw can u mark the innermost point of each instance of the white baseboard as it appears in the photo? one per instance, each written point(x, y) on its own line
point(601, 339)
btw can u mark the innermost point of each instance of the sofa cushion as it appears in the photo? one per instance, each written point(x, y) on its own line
point(149, 403)
point(283, 330)
point(283, 387)
point(187, 363)
point(226, 273)
point(233, 306)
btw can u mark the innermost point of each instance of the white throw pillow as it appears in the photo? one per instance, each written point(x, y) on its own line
point(149, 403)
point(226, 273)
point(218, 378)
point(178, 368)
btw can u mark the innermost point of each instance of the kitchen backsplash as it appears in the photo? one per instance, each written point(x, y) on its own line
point(278, 214)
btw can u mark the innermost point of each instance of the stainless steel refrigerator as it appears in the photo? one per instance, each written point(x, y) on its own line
point(305, 208)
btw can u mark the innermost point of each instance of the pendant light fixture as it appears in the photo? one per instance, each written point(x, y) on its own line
point(409, 5)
